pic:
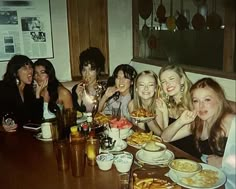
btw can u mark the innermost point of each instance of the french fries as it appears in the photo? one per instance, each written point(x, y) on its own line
point(153, 183)
point(139, 138)
point(102, 119)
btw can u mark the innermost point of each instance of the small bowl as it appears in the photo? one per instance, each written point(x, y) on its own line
point(184, 168)
point(104, 161)
point(153, 150)
point(123, 162)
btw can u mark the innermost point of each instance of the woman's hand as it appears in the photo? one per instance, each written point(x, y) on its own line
point(215, 161)
point(161, 105)
point(80, 90)
point(10, 128)
point(187, 117)
point(39, 88)
point(110, 91)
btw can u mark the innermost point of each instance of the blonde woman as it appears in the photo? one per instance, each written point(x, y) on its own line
point(145, 95)
point(175, 92)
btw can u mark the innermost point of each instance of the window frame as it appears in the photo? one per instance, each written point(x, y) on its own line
point(229, 62)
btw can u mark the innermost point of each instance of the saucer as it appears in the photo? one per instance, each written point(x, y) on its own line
point(119, 146)
point(163, 160)
point(39, 137)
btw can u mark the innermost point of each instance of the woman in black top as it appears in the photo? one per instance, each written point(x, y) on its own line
point(18, 96)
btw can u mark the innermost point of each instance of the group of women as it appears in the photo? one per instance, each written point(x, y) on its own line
point(195, 117)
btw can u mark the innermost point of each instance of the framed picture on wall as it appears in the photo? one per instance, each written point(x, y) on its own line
point(25, 28)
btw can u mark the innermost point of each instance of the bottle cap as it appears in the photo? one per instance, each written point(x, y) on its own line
point(74, 129)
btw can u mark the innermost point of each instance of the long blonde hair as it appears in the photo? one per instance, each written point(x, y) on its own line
point(173, 107)
point(217, 132)
point(137, 100)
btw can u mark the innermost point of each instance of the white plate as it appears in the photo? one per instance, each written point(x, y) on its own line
point(220, 182)
point(163, 160)
point(142, 119)
point(119, 146)
point(139, 146)
point(39, 137)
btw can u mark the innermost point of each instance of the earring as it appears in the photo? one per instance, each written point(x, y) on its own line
point(182, 88)
point(17, 81)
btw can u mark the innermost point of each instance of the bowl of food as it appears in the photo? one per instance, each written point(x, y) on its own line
point(105, 161)
point(153, 150)
point(123, 125)
point(184, 168)
point(123, 162)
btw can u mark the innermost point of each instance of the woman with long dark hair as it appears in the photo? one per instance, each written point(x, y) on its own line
point(17, 96)
point(54, 94)
point(119, 90)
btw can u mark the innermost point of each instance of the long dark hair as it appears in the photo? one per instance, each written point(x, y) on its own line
point(14, 64)
point(53, 83)
point(217, 132)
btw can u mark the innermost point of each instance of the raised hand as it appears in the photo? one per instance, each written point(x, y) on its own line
point(80, 90)
point(110, 91)
point(39, 88)
point(161, 105)
point(187, 117)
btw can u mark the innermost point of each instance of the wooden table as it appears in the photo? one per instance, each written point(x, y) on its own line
point(27, 163)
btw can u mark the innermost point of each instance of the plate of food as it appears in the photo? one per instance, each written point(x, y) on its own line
point(137, 139)
point(209, 178)
point(146, 179)
point(102, 119)
point(142, 115)
point(163, 160)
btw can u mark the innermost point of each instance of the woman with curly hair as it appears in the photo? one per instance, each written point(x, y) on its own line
point(18, 97)
point(86, 93)
point(54, 94)
point(119, 90)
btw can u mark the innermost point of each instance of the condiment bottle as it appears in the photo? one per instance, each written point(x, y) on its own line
point(90, 125)
point(74, 134)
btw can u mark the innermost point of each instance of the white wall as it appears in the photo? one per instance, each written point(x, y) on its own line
point(120, 32)
point(120, 43)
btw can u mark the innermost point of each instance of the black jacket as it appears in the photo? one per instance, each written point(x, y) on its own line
point(31, 110)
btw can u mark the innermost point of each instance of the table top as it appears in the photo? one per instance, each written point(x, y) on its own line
point(27, 163)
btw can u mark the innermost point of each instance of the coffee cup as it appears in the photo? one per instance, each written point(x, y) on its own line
point(46, 130)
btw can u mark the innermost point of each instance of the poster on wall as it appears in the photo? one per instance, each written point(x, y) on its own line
point(25, 28)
